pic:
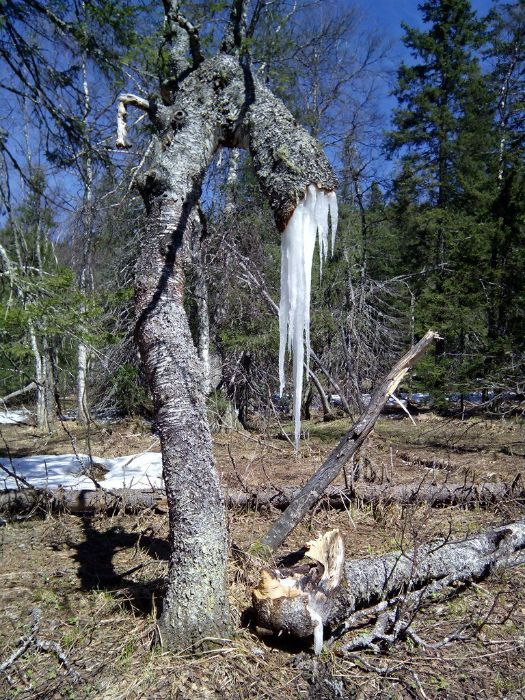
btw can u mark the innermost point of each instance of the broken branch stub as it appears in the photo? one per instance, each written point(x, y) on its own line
point(286, 158)
point(299, 600)
point(122, 116)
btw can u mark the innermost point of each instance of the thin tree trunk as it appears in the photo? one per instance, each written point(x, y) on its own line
point(327, 411)
point(86, 272)
point(40, 377)
point(352, 441)
point(30, 387)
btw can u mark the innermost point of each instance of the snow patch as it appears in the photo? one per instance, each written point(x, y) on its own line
point(141, 471)
point(10, 417)
point(309, 220)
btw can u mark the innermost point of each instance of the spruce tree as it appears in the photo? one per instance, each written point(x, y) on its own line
point(443, 134)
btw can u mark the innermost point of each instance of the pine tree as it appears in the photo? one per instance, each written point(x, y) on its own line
point(444, 137)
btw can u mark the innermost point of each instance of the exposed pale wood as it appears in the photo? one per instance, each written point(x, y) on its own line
point(299, 600)
point(374, 584)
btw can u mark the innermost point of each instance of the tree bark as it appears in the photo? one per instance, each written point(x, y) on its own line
point(351, 442)
point(195, 606)
point(327, 411)
point(216, 103)
point(189, 132)
point(201, 300)
point(470, 558)
point(377, 583)
point(133, 500)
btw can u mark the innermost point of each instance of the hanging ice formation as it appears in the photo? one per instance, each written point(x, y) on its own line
point(297, 248)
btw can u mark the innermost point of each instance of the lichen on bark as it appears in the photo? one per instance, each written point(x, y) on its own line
point(212, 104)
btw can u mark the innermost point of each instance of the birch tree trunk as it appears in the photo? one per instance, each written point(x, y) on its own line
point(210, 104)
point(86, 272)
point(196, 605)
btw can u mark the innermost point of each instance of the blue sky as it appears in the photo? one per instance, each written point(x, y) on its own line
point(390, 13)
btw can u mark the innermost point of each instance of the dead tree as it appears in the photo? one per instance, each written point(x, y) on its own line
point(378, 587)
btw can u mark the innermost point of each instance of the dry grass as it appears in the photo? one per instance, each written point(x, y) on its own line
point(98, 584)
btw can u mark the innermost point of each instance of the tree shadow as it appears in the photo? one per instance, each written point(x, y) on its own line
point(96, 569)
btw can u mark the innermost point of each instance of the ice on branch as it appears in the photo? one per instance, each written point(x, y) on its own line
point(310, 218)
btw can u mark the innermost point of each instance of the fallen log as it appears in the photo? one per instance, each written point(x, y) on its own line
point(133, 500)
point(467, 559)
point(420, 493)
point(80, 501)
point(375, 584)
point(350, 443)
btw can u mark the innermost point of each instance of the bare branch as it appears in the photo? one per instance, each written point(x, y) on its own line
point(235, 33)
point(123, 102)
point(314, 489)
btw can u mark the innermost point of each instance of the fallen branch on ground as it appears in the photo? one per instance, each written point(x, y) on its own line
point(430, 566)
point(82, 501)
point(391, 587)
point(33, 640)
point(134, 500)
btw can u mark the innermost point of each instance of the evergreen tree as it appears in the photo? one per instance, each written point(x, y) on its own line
point(505, 279)
point(445, 139)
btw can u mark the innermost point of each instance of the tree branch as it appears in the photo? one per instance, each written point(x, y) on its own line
point(351, 442)
point(235, 33)
point(122, 115)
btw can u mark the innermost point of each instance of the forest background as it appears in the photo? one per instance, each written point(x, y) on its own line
point(431, 225)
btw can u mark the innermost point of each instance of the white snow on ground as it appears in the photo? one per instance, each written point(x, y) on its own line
point(8, 417)
point(51, 471)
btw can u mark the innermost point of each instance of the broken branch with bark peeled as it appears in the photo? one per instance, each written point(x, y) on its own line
point(375, 585)
point(122, 116)
point(350, 443)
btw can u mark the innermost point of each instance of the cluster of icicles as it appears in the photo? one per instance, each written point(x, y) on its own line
point(310, 218)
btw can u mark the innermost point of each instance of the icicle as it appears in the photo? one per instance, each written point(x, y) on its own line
point(297, 248)
point(334, 215)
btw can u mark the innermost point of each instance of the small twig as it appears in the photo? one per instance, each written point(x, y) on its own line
point(34, 640)
point(236, 472)
point(370, 667)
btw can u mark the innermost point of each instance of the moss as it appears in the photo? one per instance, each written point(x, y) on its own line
point(282, 154)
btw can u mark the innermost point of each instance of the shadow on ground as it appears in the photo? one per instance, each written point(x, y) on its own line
point(96, 553)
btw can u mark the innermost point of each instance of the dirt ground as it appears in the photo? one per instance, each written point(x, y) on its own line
point(80, 594)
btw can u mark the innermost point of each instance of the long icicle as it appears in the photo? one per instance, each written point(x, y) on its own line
point(309, 219)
